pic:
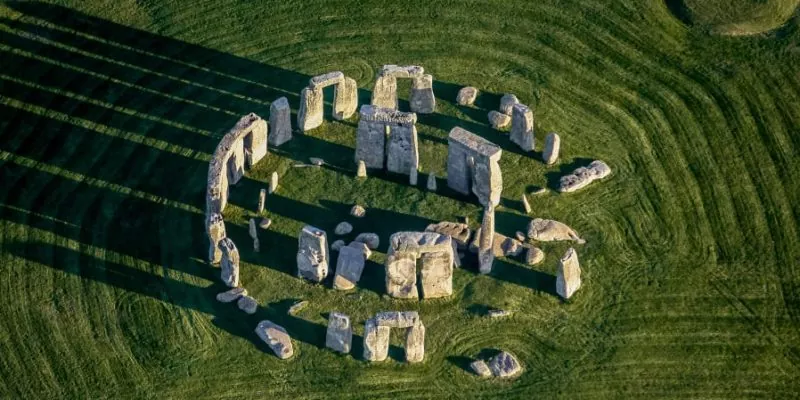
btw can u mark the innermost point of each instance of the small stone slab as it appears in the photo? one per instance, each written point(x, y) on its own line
point(335, 246)
point(534, 255)
point(498, 120)
point(466, 96)
point(459, 232)
point(505, 365)
point(297, 307)
point(247, 304)
point(231, 295)
point(480, 368)
point(343, 228)
point(276, 337)
point(498, 313)
point(339, 335)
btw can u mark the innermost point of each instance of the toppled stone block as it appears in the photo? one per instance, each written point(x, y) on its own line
point(422, 99)
point(397, 319)
point(498, 120)
point(362, 247)
point(276, 337)
point(312, 254)
point(349, 267)
point(460, 233)
point(552, 146)
point(376, 341)
point(480, 368)
point(358, 211)
point(402, 71)
point(339, 336)
point(215, 227)
point(247, 304)
point(583, 176)
point(230, 263)
point(507, 103)
point(548, 230)
point(343, 228)
point(415, 343)
point(466, 96)
point(534, 256)
point(568, 275)
point(231, 295)
point(297, 307)
point(370, 239)
point(522, 127)
point(280, 122)
point(505, 365)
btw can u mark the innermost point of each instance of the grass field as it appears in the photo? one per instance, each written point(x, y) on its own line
point(110, 110)
point(740, 17)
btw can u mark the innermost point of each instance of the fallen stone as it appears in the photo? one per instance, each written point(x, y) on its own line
point(262, 200)
point(358, 211)
point(522, 128)
point(583, 176)
point(343, 228)
point(459, 232)
point(265, 223)
point(231, 295)
point(297, 307)
point(339, 336)
point(525, 205)
point(498, 120)
point(251, 229)
point(431, 182)
point(247, 304)
point(376, 341)
point(507, 103)
point(361, 172)
point(466, 96)
point(568, 275)
point(534, 255)
point(548, 230)
point(349, 266)
point(273, 182)
point(280, 122)
point(316, 161)
point(345, 99)
point(480, 368)
point(498, 313)
point(337, 245)
point(509, 247)
point(519, 236)
point(312, 254)
point(370, 239)
point(276, 337)
point(552, 146)
point(505, 365)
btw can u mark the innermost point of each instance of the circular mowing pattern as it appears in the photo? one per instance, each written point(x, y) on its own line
point(734, 17)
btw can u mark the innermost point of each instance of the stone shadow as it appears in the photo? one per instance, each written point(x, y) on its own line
point(525, 277)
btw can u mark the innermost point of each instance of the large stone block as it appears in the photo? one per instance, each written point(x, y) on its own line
point(345, 100)
point(309, 116)
point(324, 80)
point(548, 230)
point(370, 141)
point(552, 146)
point(376, 341)
point(488, 182)
point(415, 343)
point(276, 337)
point(384, 94)
point(466, 96)
point(472, 164)
point(568, 275)
point(583, 176)
point(339, 336)
point(401, 275)
point(522, 129)
point(230, 263)
point(422, 99)
point(402, 71)
point(402, 151)
point(397, 319)
point(505, 365)
point(349, 267)
point(436, 274)
point(215, 227)
point(460, 233)
point(312, 254)
point(280, 122)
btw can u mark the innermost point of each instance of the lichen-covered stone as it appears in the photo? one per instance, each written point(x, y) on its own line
point(343, 228)
point(522, 127)
point(370, 239)
point(534, 255)
point(422, 99)
point(384, 94)
point(358, 211)
point(402, 150)
point(460, 233)
point(583, 176)
point(480, 368)
point(349, 266)
point(472, 166)
point(568, 275)
point(247, 304)
point(507, 103)
point(466, 96)
point(339, 335)
point(376, 341)
point(276, 337)
point(229, 271)
point(374, 126)
point(312, 254)
point(548, 230)
point(505, 365)
point(231, 295)
point(552, 146)
point(280, 122)
point(498, 120)
point(415, 343)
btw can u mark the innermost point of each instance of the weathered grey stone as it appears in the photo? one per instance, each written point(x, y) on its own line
point(568, 275)
point(583, 176)
point(507, 103)
point(312, 254)
point(339, 335)
point(273, 182)
point(508, 247)
point(422, 99)
point(436, 274)
point(525, 205)
point(412, 177)
point(552, 146)
point(472, 165)
point(297, 307)
point(505, 365)
point(280, 122)
point(337, 245)
point(256, 245)
point(265, 223)
point(349, 267)
point(370, 239)
point(215, 227)
point(376, 341)
point(230, 263)
point(534, 255)
point(262, 200)
point(375, 125)
point(486, 244)
point(401, 275)
point(539, 191)
point(345, 100)
point(397, 319)
point(435, 252)
point(358, 211)
point(431, 182)
point(498, 120)
point(325, 80)
point(309, 116)
point(276, 337)
point(316, 161)
point(466, 96)
point(247, 304)
point(402, 71)
point(456, 255)
point(520, 236)
point(460, 233)
point(362, 247)
point(548, 230)
point(415, 343)
point(480, 368)
point(402, 151)
point(384, 94)
point(251, 229)
point(522, 127)
point(498, 313)
point(343, 228)
point(361, 172)
point(231, 295)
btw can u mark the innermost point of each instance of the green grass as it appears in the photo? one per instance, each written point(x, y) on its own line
point(109, 112)
point(741, 17)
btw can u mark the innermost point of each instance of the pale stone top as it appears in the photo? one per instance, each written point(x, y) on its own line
point(216, 166)
point(372, 113)
point(402, 71)
point(520, 108)
point(474, 142)
point(227, 244)
point(280, 104)
point(321, 81)
point(419, 242)
point(397, 319)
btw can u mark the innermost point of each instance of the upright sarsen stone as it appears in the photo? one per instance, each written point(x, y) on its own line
point(466, 96)
point(309, 116)
point(230, 263)
point(339, 336)
point(280, 121)
point(345, 99)
point(522, 127)
point(422, 99)
point(312, 254)
point(215, 227)
point(401, 275)
point(402, 150)
point(376, 341)
point(472, 166)
point(552, 146)
point(568, 275)
point(486, 244)
point(415, 343)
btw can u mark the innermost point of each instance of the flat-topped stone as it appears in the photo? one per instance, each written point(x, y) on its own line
point(568, 275)
point(276, 337)
point(373, 113)
point(474, 142)
point(505, 365)
point(280, 122)
point(330, 78)
point(548, 230)
point(339, 335)
point(247, 304)
point(312, 254)
point(397, 319)
point(402, 71)
point(498, 120)
point(480, 368)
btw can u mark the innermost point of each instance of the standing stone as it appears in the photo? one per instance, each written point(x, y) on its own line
point(432, 182)
point(422, 99)
point(252, 230)
point(583, 176)
point(312, 254)
point(339, 336)
point(362, 247)
point(262, 200)
point(525, 205)
point(548, 230)
point(273, 182)
point(276, 337)
point(522, 127)
point(215, 227)
point(297, 307)
point(415, 343)
point(401, 275)
point(507, 103)
point(231, 295)
point(280, 122)
point(412, 177)
point(568, 276)
point(349, 267)
point(472, 166)
point(361, 172)
point(498, 120)
point(358, 211)
point(230, 263)
point(552, 145)
point(505, 365)
point(376, 341)
point(480, 368)
point(309, 116)
point(343, 228)
point(466, 96)
point(534, 256)
point(486, 244)
point(247, 304)
point(384, 94)
point(345, 100)
point(436, 273)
